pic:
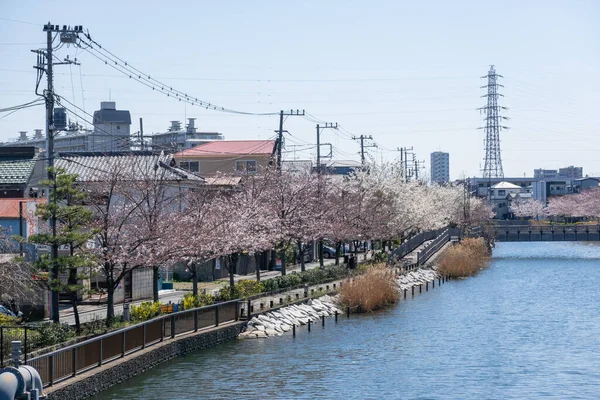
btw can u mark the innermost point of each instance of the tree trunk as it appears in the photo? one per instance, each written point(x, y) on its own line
point(194, 279)
point(231, 261)
point(283, 260)
point(54, 289)
point(155, 283)
point(273, 261)
point(302, 248)
point(321, 262)
point(257, 257)
point(337, 253)
point(110, 303)
point(72, 284)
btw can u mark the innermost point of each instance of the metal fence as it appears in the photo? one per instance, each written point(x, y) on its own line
point(433, 247)
point(547, 233)
point(67, 362)
point(414, 242)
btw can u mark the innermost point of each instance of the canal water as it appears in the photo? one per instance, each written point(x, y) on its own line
point(527, 327)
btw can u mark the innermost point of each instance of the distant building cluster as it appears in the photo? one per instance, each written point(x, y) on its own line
point(545, 182)
point(569, 172)
point(111, 132)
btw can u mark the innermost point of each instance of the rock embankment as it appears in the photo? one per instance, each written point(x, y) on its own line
point(274, 323)
point(416, 278)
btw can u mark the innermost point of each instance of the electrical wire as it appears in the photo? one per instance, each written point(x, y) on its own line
point(95, 49)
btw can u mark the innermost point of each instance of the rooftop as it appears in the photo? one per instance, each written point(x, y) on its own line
point(230, 147)
point(16, 171)
point(505, 185)
point(9, 208)
point(95, 167)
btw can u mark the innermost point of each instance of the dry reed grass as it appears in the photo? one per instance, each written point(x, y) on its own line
point(370, 291)
point(464, 259)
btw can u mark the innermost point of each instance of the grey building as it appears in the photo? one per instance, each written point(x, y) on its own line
point(177, 138)
point(569, 172)
point(111, 132)
point(440, 167)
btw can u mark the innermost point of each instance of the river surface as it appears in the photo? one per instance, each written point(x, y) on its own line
point(527, 327)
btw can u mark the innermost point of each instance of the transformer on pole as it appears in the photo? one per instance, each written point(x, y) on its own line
point(493, 160)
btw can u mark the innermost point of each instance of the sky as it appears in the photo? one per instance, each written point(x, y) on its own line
point(407, 73)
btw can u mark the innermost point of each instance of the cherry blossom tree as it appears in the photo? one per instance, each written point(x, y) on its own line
point(528, 208)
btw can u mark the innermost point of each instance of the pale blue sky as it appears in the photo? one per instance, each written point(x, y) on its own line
point(406, 73)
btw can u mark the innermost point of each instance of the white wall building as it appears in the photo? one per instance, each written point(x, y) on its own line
point(440, 167)
point(177, 138)
point(110, 133)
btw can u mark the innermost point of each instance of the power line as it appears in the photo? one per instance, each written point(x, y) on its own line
point(133, 73)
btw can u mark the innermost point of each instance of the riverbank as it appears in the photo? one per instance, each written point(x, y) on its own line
point(115, 374)
point(492, 336)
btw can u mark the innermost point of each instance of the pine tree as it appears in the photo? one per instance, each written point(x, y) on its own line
point(72, 233)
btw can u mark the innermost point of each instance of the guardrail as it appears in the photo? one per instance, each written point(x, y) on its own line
point(433, 247)
point(548, 233)
point(69, 361)
point(411, 244)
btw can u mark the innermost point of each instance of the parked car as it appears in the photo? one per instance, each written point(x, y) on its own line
point(8, 313)
point(328, 252)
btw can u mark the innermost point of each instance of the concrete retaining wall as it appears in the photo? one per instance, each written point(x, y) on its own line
point(99, 379)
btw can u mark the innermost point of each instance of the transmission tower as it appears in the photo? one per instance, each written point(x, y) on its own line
point(493, 161)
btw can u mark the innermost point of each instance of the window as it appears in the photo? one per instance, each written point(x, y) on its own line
point(118, 127)
point(501, 192)
point(192, 166)
point(248, 166)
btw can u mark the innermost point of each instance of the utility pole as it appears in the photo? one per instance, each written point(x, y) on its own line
point(280, 131)
point(418, 164)
point(141, 134)
point(362, 146)
point(404, 151)
point(279, 145)
point(328, 125)
point(67, 35)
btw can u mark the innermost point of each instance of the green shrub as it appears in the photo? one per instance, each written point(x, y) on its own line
point(201, 300)
point(145, 311)
point(52, 333)
point(242, 289)
point(247, 288)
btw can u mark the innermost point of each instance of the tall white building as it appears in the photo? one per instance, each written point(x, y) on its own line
point(440, 167)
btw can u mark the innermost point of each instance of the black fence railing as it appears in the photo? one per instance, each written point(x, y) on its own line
point(411, 244)
point(550, 232)
point(69, 361)
point(433, 247)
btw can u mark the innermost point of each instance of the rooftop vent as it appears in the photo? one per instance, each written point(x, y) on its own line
point(191, 128)
point(108, 105)
point(23, 136)
point(175, 126)
point(38, 134)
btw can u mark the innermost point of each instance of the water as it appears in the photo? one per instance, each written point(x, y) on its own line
point(527, 327)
